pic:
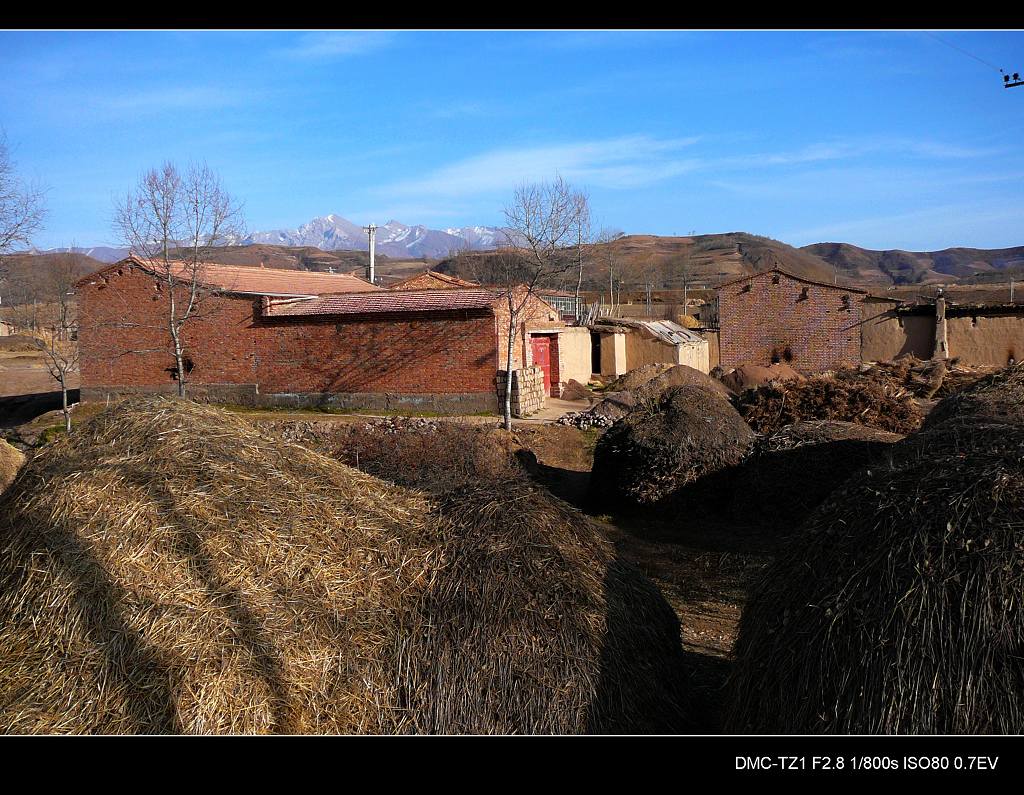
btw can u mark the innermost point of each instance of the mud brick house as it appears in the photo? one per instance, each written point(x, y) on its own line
point(777, 316)
point(282, 337)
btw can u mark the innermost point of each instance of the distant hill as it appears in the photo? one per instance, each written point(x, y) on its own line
point(633, 261)
point(898, 267)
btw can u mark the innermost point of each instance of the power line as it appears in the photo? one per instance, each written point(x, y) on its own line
point(965, 52)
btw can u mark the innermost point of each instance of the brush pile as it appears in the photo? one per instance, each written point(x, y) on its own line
point(168, 569)
point(793, 470)
point(897, 609)
point(660, 448)
point(574, 390)
point(999, 396)
point(829, 397)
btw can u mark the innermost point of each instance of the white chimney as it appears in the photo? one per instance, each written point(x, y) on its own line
point(371, 232)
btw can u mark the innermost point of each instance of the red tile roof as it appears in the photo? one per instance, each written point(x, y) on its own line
point(383, 301)
point(258, 281)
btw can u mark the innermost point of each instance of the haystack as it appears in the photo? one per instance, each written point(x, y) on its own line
point(435, 458)
point(167, 569)
point(658, 449)
point(897, 610)
point(680, 375)
point(825, 397)
point(999, 396)
point(795, 469)
point(11, 460)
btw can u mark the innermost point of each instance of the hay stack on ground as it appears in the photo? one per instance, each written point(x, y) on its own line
point(658, 449)
point(795, 469)
point(999, 396)
point(680, 375)
point(437, 458)
point(11, 460)
point(167, 569)
point(825, 397)
point(897, 609)
point(637, 377)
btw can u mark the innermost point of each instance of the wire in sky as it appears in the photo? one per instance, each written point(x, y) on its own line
point(960, 49)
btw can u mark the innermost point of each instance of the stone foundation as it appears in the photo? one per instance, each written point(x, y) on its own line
point(249, 395)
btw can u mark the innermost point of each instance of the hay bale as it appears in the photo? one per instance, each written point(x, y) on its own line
point(11, 460)
point(795, 469)
point(168, 569)
point(897, 608)
point(999, 396)
point(654, 452)
point(823, 397)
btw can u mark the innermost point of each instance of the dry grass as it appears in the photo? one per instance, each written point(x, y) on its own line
point(11, 460)
point(999, 396)
point(167, 569)
point(898, 608)
point(795, 469)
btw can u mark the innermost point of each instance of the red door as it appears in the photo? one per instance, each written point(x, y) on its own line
point(542, 358)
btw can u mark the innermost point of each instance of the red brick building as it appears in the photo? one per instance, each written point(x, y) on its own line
point(775, 316)
point(277, 337)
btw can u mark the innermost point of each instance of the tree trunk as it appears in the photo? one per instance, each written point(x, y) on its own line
point(508, 363)
point(64, 401)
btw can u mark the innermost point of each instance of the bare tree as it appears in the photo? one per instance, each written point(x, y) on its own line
point(61, 338)
point(21, 205)
point(172, 219)
point(542, 224)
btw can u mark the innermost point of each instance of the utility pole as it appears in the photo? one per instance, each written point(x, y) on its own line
point(371, 232)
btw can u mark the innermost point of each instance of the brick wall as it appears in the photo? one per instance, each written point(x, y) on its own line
point(772, 316)
point(125, 343)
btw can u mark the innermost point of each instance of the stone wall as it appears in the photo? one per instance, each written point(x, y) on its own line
point(527, 391)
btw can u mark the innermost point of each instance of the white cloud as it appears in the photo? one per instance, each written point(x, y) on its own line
point(625, 162)
point(339, 44)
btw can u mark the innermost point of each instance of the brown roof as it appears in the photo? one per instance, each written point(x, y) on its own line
point(258, 281)
point(443, 278)
point(793, 276)
point(383, 301)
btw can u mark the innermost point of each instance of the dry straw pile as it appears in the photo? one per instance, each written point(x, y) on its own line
point(167, 569)
point(660, 448)
point(999, 396)
point(795, 469)
point(899, 609)
point(11, 460)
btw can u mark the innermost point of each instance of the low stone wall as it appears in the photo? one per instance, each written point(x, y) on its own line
point(249, 395)
point(527, 390)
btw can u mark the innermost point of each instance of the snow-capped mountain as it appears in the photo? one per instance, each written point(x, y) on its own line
point(394, 239)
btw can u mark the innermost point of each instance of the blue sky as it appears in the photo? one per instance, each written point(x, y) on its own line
point(882, 139)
